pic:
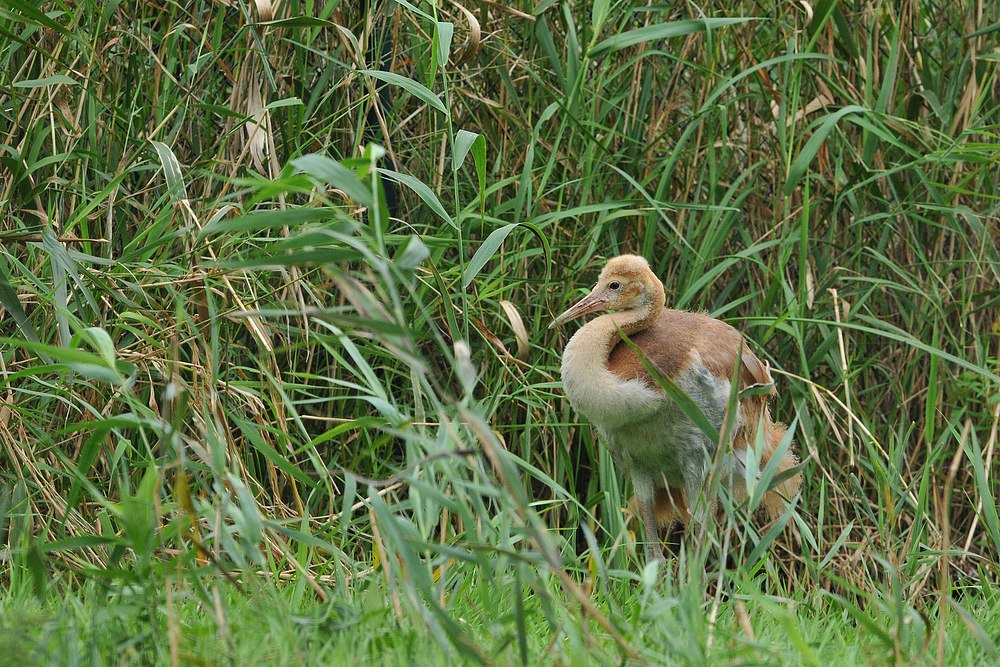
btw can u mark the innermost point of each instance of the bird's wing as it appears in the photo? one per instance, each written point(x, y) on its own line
point(663, 344)
point(670, 340)
point(756, 372)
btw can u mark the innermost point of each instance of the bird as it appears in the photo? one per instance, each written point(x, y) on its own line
point(666, 455)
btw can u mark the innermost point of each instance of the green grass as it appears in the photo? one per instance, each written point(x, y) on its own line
point(664, 627)
point(275, 379)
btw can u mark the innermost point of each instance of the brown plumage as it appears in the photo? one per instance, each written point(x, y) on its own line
point(648, 436)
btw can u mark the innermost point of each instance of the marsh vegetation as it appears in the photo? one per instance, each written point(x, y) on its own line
point(275, 380)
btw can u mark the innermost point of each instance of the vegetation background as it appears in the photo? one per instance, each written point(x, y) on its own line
point(276, 385)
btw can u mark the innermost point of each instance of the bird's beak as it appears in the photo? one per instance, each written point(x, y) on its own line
point(588, 304)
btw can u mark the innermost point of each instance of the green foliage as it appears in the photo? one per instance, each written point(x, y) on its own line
point(274, 359)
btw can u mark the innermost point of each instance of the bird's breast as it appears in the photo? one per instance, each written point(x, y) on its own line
point(667, 443)
point(604, 398)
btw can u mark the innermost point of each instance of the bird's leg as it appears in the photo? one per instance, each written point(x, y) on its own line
point(645, 493)
point(698, 505)
point(654, 550)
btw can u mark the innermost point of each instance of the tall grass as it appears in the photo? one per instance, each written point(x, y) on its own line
point(276, 283)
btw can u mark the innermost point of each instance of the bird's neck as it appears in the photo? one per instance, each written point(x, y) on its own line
point(604, 332)
point(588, 382)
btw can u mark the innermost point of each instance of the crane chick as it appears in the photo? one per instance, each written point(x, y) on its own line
point(649, 437)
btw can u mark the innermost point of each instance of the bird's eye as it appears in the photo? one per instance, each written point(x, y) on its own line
point(615, 285)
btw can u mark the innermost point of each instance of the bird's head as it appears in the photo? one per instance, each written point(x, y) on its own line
point(626, 282)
